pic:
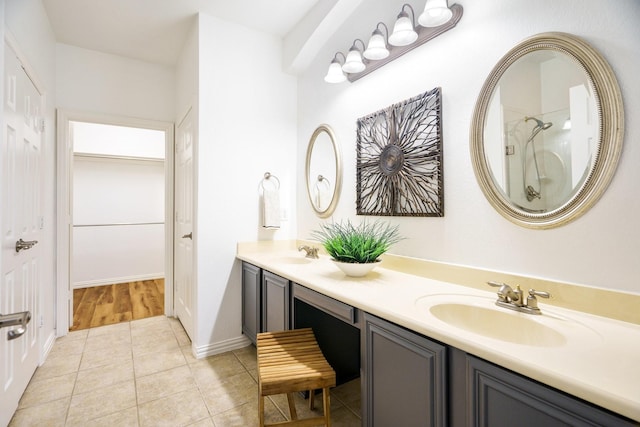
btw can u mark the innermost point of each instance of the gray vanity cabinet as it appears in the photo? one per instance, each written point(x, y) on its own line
point(409, 379)
point(251, 282)
point(265, 301)
point(276, 304)
point(501, 398)
point(403, 377)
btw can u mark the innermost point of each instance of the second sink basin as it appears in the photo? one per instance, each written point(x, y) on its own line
point(480, 316)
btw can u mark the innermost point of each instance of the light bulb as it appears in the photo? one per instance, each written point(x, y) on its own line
point(353, 63)
point(335, 74)
point(403, 32)
point(436, 13)
point(377, 47)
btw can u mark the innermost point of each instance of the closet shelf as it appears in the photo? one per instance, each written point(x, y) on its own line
point(116, 157)
point(117, 224)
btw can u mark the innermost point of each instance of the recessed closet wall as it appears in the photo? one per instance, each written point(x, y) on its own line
point(118, 204)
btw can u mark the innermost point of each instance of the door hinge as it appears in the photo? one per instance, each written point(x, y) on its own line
point(40, 124)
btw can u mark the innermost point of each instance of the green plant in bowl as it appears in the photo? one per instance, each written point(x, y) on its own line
point(357, 244)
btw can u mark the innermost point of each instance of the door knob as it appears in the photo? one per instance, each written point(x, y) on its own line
point(188, 236)
point(25, 244)
point(16, 319)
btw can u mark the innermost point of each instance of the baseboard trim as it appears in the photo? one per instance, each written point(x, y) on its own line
point(48, 345)
point(220, 347)
point(116, 280)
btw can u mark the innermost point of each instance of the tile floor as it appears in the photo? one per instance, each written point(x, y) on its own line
point(142, 373)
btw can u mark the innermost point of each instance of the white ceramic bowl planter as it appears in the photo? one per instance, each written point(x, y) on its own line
point(356, 249)
point(352, 269)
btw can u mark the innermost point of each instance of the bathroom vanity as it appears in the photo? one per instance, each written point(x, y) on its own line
point(420, 369)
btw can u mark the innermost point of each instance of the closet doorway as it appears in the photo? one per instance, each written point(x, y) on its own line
point(119, 221)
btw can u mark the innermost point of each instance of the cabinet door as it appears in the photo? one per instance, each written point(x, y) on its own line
point(275, 303)
point(501, 398)
point(251, 279)
point(403, 377)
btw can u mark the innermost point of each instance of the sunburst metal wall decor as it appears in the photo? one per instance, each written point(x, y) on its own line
point(399, 163)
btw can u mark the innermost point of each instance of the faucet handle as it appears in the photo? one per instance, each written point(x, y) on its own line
point(543, 294)
point(532, 302)
point(503, 292)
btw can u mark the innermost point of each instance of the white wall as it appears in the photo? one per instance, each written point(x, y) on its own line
point(122, 141)
point(110, 191)
point(186, 81)
point(96, 82)
point(247, 126)
point(27, 22)
point(600, 249)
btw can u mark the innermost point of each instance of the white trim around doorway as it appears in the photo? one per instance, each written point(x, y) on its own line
point(64, 205)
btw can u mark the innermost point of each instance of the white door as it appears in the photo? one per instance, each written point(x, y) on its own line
point(183, 274)
point(21, 221)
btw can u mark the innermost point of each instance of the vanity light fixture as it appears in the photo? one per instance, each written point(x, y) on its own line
point(404, 32)
point(335, 73)
point(436, 12)
point(436, 19)
point(377, 47)
point(353, 63)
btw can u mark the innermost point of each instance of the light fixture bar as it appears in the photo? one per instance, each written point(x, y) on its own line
point(424, 35)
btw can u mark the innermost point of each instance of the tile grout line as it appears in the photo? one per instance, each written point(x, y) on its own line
point(75, 382)
point(135, 378)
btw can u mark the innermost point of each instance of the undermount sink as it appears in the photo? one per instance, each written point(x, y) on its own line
point(481, 316)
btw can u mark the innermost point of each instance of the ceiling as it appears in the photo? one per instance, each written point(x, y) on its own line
point(155, 30)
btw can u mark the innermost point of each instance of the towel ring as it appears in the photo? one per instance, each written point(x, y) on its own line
point(322, 179)
point(267, 177)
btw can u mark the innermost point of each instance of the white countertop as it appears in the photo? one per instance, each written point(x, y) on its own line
point(599, 362)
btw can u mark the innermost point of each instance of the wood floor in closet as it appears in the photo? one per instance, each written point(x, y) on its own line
point(121, 302)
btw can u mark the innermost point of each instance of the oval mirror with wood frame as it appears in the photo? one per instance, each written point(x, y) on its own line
point(547, 131)
point(323, 171)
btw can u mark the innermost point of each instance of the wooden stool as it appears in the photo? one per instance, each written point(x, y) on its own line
point(289, 362)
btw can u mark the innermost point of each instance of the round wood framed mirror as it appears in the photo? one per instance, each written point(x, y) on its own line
point(547, 131)
point(323, 171)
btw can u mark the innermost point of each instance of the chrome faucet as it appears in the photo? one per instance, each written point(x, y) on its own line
point(514, 298)
point(311, 251)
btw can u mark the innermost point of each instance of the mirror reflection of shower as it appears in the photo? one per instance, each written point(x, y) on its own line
point(530, 191)
point(541, 133)
point(538, 157)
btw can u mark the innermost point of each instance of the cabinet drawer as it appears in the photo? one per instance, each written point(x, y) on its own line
point(337, 309)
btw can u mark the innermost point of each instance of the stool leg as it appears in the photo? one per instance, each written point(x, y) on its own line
point(292, 406)
point(312, 394)
point(261, 409)
point(327, 405)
